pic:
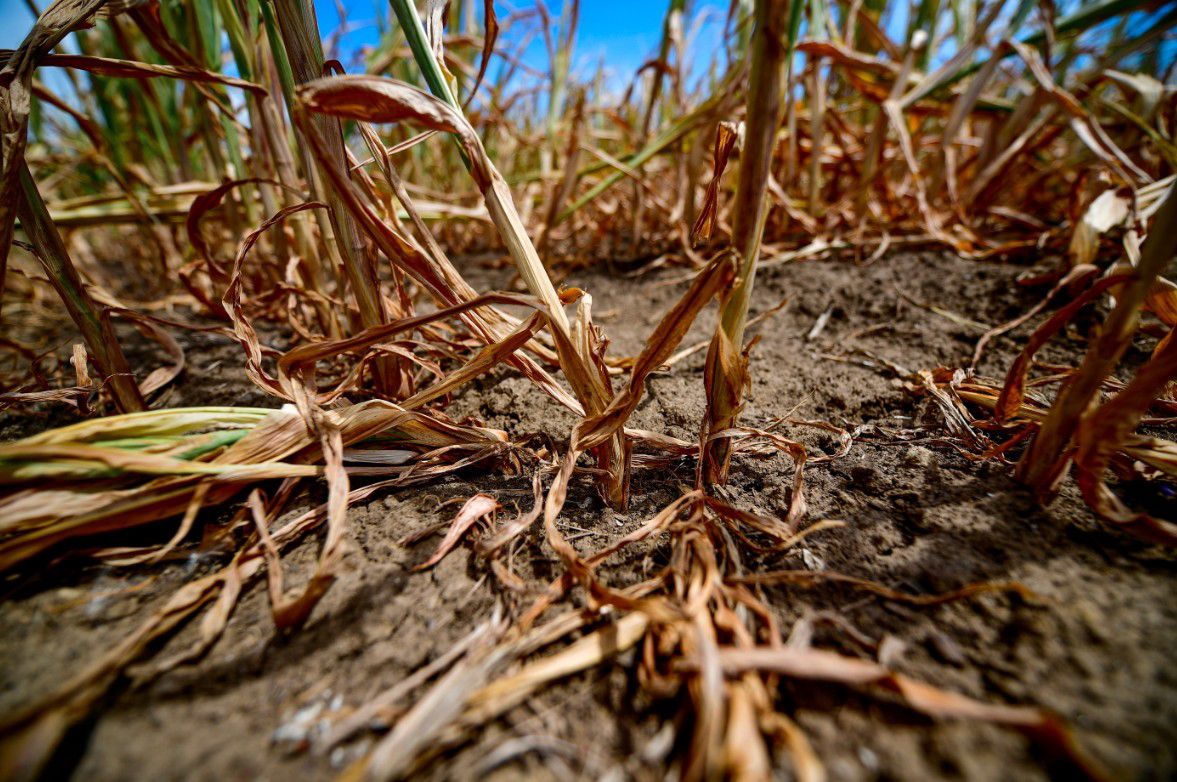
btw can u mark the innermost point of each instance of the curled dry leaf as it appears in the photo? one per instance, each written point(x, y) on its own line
point(109, 66)
point(479, 506)
point(1109, 209)
point(829, 666)
point(725, 141)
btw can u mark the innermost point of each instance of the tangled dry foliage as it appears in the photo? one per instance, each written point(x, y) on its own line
point(993, 129)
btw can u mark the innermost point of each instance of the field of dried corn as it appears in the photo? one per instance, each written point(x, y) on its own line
point(801, 408)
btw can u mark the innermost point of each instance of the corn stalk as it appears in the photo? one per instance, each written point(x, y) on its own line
point(303, 62)
point(50, 250)
point(726, 367)
point(1049, 455)
point(575, 349)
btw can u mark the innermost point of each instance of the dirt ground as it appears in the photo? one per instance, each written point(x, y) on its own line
point(1094, 646)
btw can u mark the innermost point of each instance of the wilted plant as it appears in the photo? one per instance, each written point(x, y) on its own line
point(320, 212)
point(579, 353)
point(726, 365)
point(47, 245)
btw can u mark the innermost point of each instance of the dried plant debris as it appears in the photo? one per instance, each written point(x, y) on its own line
point(207, 173)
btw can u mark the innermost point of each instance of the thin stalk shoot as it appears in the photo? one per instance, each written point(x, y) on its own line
point(59, 268)
point(750, 211)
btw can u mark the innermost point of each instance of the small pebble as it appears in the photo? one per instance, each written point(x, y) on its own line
point(891, 650)
point(943, 647)
point(811, 560)
point(919, 456)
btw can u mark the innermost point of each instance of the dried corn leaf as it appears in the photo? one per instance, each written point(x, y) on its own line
point(479, 506)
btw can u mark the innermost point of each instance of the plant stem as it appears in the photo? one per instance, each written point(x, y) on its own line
point(501, 206)
point(590, 388)
point(304, 62)
point(1044, 460)
point(51, 252)
point(749, 212)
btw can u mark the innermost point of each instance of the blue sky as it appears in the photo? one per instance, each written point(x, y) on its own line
point(624, 32)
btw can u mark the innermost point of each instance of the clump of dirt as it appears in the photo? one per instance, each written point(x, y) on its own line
point(1093, 644)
